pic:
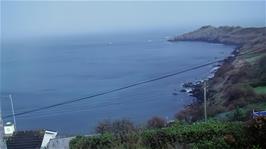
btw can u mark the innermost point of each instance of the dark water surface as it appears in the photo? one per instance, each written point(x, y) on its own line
point(43, 72)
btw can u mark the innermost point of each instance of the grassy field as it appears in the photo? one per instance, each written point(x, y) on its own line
point(260, 89)
point(253, 58)
point(246, 111)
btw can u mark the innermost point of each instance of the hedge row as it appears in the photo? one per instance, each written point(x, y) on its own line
point(211, 134)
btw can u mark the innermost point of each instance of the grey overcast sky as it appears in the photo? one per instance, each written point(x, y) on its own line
point(29, 18)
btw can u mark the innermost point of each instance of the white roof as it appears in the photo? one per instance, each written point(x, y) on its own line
point(48, 135)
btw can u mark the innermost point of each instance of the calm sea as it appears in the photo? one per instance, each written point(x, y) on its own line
point(47, 71)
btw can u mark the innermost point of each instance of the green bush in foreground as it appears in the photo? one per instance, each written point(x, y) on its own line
point(104, 141)
point(196, 134)
point(216, 143)
point(200, 135)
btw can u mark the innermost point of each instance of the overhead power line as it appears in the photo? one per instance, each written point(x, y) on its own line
point(72, 111)
point(121, 88)
point(110, 91)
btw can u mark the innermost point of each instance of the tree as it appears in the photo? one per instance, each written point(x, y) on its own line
point(123, 130)
point(123, 126)
point(104, 126)
point(238, 114)
point(157, 122)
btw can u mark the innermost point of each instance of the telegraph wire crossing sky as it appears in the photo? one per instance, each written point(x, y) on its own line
point(29, 19)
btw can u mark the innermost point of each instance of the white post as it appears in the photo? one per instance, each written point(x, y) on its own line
point(205, 101)
point(13, 111)
point(2, 141)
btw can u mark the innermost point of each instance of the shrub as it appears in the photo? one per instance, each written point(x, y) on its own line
point(104, 127)
point(157, 122)
point(216, 143)
point(117, 127)
point(187, 134)
point(262, 68)
point(213, 109)
point(104, 141)
point(237, 132)
point(240, 91)
point(158, 139)
point(191, 113)
point(256, 129)
point(238, 114)
point(239, 95)
point(210, 134)
point(122, 130)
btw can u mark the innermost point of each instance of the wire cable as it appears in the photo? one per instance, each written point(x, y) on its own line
point(121, 88)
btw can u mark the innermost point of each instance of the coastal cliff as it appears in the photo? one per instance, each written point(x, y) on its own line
point(241, 80)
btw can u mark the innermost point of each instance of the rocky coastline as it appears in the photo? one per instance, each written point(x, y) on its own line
point(234, 70)
point(195, 88)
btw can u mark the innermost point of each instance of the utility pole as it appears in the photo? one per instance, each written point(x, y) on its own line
point(2, 141)
point(13, 111)
point(205, 101)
